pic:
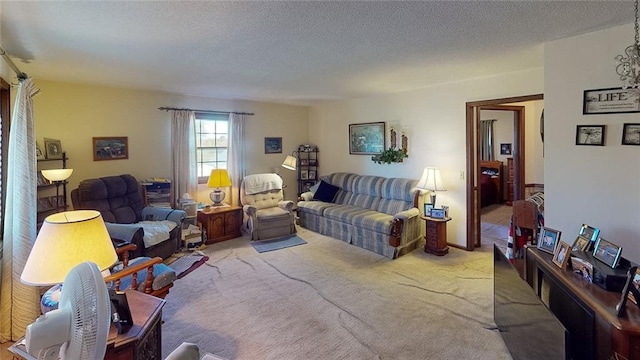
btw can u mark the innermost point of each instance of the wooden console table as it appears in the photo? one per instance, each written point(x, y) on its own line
point(436, 235)
point(221, 223)
point(142, 342)
point(586, 311)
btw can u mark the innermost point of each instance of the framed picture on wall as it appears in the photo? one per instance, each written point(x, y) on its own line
point(110, 148)
point(610, 101)
point(631, 134)
point(273, 145)
point(367, 138)
point(505, 149)
point(590, 135)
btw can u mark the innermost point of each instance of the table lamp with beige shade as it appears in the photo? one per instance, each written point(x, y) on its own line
point(432, 181)
point(65, 240)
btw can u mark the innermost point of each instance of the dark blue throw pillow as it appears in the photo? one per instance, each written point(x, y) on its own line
point(326, 192)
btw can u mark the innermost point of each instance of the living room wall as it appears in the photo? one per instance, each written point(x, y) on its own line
point(434, 120)
point(75, 113)
point(596, 185)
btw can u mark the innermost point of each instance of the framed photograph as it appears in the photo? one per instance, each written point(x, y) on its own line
point(273, 145)
point(39, 153)
point(437, 213)
point(562, 254)
point(631, 134)
point(590, 135)
point(312, 174)
point(607, 252)
point(427, 209)
point(110, 148)
point(505, 149)
point(635, 282)
point(610, 101)
point(42, 181)
point(582, 268)
point(548, 239)
point(304, 174)
point(304, 162)
point(367, 138)
point(580, 244)
point(44, 204)
point(589, 232)
point(313, 162)
point(53, 148)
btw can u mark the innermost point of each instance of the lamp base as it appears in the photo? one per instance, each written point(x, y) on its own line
point(217, 196)
point(432, 196)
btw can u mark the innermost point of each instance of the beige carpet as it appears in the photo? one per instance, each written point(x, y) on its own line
point(331, 300)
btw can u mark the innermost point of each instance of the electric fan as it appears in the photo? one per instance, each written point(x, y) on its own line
point(79, 328)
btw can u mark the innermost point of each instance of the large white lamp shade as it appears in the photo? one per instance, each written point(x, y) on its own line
point(290, 163)
point(65, 240)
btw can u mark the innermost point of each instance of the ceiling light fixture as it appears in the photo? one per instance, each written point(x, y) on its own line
point(628, 65)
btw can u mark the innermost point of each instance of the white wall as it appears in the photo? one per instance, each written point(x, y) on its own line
point(435, 121)
point(599, 186)
point(76, 113)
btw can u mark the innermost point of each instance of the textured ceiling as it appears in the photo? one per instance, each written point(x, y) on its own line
point(290, 52)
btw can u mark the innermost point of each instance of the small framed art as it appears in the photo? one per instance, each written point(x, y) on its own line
point(635, 282)
point(427, 209)
point(110, 148)
point(562, 254)
point(607, 252)
point(53, 148)
point(631, 134)
point(580, 244)
point(590, 135)
point(505, 149)
point(548, 239)
point(273, 145)
point(304, 174)
point(589, 232)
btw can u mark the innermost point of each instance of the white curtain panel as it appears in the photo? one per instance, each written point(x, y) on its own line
point(183, 143)
point(19, 303)
point(486, 140)
point(235, 154)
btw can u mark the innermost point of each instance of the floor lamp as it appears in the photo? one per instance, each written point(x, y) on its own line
point(57, 176)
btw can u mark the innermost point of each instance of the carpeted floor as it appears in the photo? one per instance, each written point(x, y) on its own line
point(332, 300)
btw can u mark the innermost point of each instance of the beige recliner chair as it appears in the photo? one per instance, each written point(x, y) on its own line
point(266, 214)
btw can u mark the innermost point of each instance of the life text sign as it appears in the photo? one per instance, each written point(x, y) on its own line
point(611, 101)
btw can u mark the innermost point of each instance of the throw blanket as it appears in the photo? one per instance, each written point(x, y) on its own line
point(258, 183)
point(156, 232)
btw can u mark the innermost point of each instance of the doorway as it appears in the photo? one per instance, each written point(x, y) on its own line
point(473, 116)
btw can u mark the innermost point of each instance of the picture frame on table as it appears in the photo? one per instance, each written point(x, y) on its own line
point(581, 243)
point(39, 153)
point(304, 174)
point(591, 135)
point(562, 254)
point(427, 209)
point(438, 213)
point(635, 282)
point(548, 239)
point(110, 148)
point(367, 138)
point(610, 101)
point(273, 145)
point(312, 174)
point(44, 204)
point(591, 233)
point(607, 252)
point(53, 148)
point(304, 162)
point(630, 134)
point(313, 162)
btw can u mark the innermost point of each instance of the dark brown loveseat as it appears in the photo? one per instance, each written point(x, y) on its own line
point(119, 201)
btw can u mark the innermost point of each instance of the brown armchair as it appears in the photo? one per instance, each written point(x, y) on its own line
point(148, 275)
point(119, 200)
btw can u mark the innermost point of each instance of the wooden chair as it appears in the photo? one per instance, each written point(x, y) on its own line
point(149, 268)
point(525, 216)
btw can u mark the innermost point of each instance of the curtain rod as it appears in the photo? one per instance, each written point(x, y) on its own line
point(21, 75)
point(206, 111)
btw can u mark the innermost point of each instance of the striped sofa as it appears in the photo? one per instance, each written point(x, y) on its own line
point(376, 213)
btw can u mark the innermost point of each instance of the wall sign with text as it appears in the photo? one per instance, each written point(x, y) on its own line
point(611, 101)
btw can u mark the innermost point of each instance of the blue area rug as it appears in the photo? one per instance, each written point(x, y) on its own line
point(277, 244)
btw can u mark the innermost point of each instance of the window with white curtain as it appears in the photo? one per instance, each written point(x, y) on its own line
point(212, 141)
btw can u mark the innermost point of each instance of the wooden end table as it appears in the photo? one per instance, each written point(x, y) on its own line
point(143, 340)
point(436, 235)
point(221, 223)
